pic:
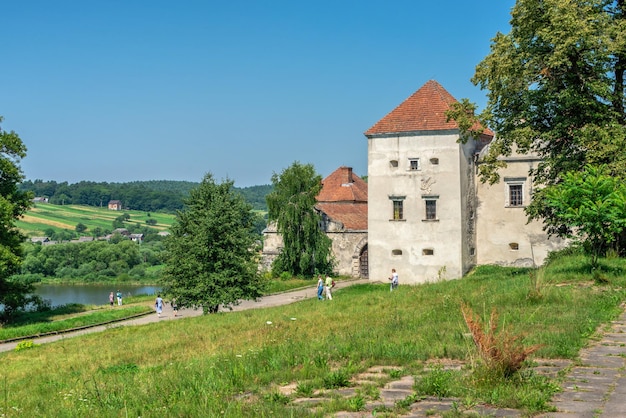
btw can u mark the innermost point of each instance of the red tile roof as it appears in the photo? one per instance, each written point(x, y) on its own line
point(342, 185)
point(343, 198)
point(353, 216)
point(424, 110)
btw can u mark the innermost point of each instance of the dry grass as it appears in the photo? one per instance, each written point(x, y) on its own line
point(501, 351)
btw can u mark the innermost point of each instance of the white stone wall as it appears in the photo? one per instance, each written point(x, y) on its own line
point(418, 249)
point(504, 237)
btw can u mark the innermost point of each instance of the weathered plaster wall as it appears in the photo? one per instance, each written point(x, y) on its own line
point(420, 250)
point(503, 235)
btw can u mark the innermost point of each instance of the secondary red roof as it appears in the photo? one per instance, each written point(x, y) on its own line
point(343, 198)
point(353, 216)
point(424, 110)
point(342, 185)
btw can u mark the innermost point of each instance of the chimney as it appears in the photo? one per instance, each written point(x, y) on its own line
point(349, 174)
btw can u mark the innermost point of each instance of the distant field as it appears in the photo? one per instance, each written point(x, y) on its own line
point(65, 217)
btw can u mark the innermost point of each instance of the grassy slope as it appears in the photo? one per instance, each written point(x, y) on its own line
point(44, 216)
point(228, 364)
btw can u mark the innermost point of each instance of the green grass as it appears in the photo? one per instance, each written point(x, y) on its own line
point(66, 217)
point(67, 317)
point(230, 364)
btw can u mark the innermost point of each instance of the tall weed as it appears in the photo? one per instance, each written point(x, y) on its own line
point(501, 352)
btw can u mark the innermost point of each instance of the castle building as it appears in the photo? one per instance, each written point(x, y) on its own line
point(429, 215)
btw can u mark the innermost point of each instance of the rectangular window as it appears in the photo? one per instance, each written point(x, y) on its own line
point(514, 191)
point(414, 163)
point(398, 210)
point(430, 206)
point(516, 197)
point(431, 210)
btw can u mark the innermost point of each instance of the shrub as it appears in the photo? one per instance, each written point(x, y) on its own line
point(502, 353)
point(24, 345)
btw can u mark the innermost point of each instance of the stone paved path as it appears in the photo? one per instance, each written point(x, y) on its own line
point(597, 387)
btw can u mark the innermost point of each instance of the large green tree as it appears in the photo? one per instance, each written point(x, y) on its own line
point(210, 257)
point(291, 204)
point(13, 204)
point(555, 87)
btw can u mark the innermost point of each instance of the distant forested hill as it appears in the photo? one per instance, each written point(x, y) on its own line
point(149, 196)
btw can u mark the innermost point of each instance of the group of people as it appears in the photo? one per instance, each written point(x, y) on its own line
point(158, 305)
point(325, 287)
point(119, 298)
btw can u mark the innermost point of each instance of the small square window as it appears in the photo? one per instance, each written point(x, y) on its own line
point(393, 163)
point(428, 251)
point(414, 164)
point(434, 161)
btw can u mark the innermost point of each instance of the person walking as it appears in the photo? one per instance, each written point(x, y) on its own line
point(320, 287)
point(158, 304)
point(111, 299)
point(174, 307)
point(119, 298)
point(393, 279)
point(329, 285)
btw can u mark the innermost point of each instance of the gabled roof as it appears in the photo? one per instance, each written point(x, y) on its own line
point(424, 110)
point(342, 185)
point(343, 198)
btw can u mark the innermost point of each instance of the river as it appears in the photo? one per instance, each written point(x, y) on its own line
point(89, 294)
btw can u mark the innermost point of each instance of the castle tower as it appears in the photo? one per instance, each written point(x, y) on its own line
point(421, 191)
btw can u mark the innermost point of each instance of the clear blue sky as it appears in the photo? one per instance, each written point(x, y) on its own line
point(125, 90)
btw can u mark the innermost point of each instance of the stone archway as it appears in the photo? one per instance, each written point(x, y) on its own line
point(363, 264)
point(360, 264)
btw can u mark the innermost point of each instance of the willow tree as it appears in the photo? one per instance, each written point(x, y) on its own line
point(555, 87)
point(291, 205)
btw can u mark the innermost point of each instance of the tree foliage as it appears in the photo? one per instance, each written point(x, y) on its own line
point(210, 255)
point(149, 196)
point(13, 204)
point(90, 261)
point(592, 205)
point(555, 88)
point(306, 248)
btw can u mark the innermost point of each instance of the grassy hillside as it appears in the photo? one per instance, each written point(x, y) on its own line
point(65, 217)
point(231, 364)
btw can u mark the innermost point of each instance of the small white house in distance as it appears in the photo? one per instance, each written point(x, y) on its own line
point(115, 205)
point(429, 216)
